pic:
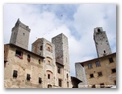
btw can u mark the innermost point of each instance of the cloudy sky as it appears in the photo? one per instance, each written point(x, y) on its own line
point(76, 21)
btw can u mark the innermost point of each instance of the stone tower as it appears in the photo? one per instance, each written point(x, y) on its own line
point(46, 49)
point(101, 42)
point(62, 58)
point(20, 35)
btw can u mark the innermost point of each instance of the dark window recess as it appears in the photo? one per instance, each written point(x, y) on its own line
point(104, 51)
point(111, 60)
point(98, 64)
point(41, 48)
point(67, 76)
point(59, 69)
point(100, 74)
point(102, 85)
point(49, 86)
point(48, 76)
point(113, 70)
point(60, 82)
point(93, 86)
point(19, 54)
point(15, 74)
point(40, 80)
point(90, 66)
point(115, 82)
point(5, 62)
point(39, 61)
point(23, 34)
point(91, 76)
point(98, 30)
point(28, 77)
point(28, 58)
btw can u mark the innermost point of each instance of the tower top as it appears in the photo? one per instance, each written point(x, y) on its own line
point(19, 23)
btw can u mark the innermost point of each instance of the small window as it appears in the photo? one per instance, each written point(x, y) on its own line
point(48, 48)
point(23, 34)
point(49, 62)
point(91, 76)
point(114, 82)
point(28, 77)
point(93, 86)
point(40, 80)
point(98, 64)
point(39, 61)
point(59, 69)
point(113, 70)
point(28, 58)
point(41, 48)
point(89, 65)
point(60, 82)
point(98, 30)
point(104, 51)
point(48, 76)
point(111, 60)
point(15, 74)
point(102, 85)
point(67, 76)
point(49, 86)
point(19, 54)
point(100, 74)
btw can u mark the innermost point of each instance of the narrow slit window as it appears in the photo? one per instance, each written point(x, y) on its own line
point(15, 74)
point(40, 80)
point(28, 58)
point(28, 77)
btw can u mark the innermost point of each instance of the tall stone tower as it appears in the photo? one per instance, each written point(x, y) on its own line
point(62, 58)
point(20, 35)
point(101, 42)
point(46, 49)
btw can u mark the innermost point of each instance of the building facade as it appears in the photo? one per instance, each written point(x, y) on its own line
point(99, 72)
point(46, 66)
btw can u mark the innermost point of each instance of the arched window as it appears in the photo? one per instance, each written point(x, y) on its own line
point(48, 47)
point(49, 86)
point(49, 74)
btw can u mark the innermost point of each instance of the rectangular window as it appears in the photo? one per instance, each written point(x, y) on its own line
point(114, 82)
point(113, 70)
point(40, 80)
point(39, 61)
point(93, 86)
point(102, 85)
point(59, 69)
point(89, 66)
point(19, 54)
point(28, 58)
point(91, 76)
point(60, 82)
point(15, 73)
point(111, 60)
point(97, 64)
point(28, 77)
point(100, 74)
point(48, 76)
point(41, 48)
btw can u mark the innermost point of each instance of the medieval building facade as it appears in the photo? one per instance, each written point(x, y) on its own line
point(99, 72)
point(46, 66)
